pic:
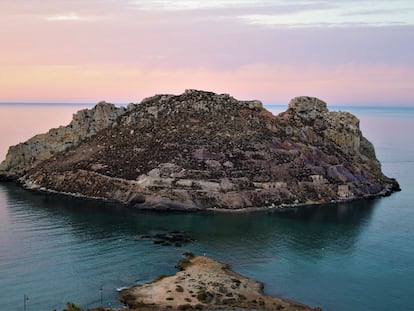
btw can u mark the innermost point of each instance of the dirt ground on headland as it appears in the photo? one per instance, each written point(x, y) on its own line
point(204, 284)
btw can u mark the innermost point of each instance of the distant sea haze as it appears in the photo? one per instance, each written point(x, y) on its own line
point(353, 256)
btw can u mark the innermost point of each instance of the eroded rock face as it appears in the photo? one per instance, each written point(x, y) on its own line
point(85, 123)
point(203, 150)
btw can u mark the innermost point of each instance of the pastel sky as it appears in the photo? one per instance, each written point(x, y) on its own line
point(343, 51)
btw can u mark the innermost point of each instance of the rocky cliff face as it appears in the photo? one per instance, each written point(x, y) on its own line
point(85, 123)
point(203, 150)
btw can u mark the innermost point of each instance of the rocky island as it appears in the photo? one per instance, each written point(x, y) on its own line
point(201, 150)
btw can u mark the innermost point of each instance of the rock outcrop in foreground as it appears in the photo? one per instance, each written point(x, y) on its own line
point(202, 150)
point(204, 284)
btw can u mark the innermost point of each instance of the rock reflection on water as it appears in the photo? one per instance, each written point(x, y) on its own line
point(312, 227)
point(353, 212)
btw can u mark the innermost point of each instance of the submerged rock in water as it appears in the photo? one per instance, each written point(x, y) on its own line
point(201, 150)
point(204, 284)
point(170, 238)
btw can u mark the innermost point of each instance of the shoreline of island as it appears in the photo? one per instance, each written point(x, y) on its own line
point(178, 207)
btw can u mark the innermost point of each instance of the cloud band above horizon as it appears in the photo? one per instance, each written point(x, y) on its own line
point(345, 51)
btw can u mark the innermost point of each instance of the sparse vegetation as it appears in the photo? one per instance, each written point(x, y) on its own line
point(70, 306)
point(179, 289)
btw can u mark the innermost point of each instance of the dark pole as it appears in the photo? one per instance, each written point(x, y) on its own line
point(25, 299)
point(101, 296)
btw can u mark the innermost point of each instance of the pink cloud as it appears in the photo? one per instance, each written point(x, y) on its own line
point(92, 50)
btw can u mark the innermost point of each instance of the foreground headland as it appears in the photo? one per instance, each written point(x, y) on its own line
point(202, 150)
point(204, 284)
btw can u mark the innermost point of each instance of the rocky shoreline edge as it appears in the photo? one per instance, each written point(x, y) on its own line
point(177, 207)
point(203, 283)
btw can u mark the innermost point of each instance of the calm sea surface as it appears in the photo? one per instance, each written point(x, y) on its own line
point(355, 256)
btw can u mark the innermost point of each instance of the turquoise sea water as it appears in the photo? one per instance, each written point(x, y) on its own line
point(354, 256)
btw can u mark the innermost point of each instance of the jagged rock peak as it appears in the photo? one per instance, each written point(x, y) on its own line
point(196, 92)
point(100, 116)
point(201, 100)
point(203, 95)
point(306, 104)
point(85, 123)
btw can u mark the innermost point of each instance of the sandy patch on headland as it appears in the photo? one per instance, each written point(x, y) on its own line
point(204, 284)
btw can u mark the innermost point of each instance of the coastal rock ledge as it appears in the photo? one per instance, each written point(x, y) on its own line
point(202, 150)
point(205, 284)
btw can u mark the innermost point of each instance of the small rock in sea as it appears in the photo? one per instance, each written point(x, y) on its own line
point(170, 238)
